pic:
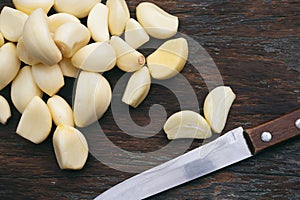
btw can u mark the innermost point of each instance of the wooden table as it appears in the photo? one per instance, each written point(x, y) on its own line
point(255, 45)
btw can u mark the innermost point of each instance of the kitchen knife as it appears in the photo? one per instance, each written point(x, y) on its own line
point(232, 147)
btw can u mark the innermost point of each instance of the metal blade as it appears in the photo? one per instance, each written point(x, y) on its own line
point(225, 150)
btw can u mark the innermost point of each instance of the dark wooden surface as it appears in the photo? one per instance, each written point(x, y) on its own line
point(255, 45)
point(281, 129)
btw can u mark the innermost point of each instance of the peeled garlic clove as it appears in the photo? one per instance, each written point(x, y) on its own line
point(38, 40)
point(97, 22)
point(9, 64)
point(169, 59)
point(60, 110)
point(70, 147)
point(48, 78)
point(58, 19)
point(36, 122)
point(70, 37)
point(11, 23)
point(24, 55)
point(118, 16)
point(23, 89)
point(157, 22)
point(95, 57)
point(1, 40)
point(137, 88)
point(28, 6)
point(216, 107)
point(187, 124)
point(135, 35)
point(68, 68)
point(77, 8)
point(5, 112)
point(128, 59)
point(92, 98)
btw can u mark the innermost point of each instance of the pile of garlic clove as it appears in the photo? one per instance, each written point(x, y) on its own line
point(42, 49)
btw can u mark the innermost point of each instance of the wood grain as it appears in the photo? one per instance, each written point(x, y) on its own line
point(280, 129)
point(255, 45)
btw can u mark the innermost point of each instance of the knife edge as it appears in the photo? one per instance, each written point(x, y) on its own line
point(224, 151)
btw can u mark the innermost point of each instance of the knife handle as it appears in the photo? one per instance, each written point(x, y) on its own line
point(274, 132)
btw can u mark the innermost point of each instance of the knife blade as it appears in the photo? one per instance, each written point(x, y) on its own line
point(232, 147)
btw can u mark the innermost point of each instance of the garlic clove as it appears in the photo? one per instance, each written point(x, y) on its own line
point(12, 22)
point(24, 55)
point(48, 78)
point(58, 19)
point(137, 88)
point(169, 59)
point(70, 147)
point(128, 59)
point(157, 22)
point(1, 40)
point(36, 122)
point(5, 112)
point(70, 37)
point(97, 23)
point(38, 40)
point(118, 16)
point(77, 8)
point(187, 124)
point(60, 110)
point(28, 6)
point(216, 107)
point(95, 57)
point(23, 89)
point(135, 35)
point(92, 98)
point(68, 68)
point(9, 64)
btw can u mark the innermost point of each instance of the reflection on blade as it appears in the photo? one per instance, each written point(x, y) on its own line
point(225, 150)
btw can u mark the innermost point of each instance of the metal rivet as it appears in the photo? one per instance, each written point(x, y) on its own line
point(297, 123)
point(266, 136)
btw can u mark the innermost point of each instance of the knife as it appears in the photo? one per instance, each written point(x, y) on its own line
point(234, 146)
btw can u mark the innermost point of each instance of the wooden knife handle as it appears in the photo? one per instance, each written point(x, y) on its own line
point(274, 132)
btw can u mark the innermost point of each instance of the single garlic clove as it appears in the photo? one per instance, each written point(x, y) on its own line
point(92, 98)
point(95, 57)
point(1, 40)
point(128, 59)
point(23, 89)
point(137, 88)
point(38, 40)
point(68, 68)
point(9, 64)
point(135, 35)
point(118, 16)
point(70, 147)
point(157, 22)
point(58, 19)
point(24, 55)
point(216, 107)
point(60, 110)
point(28, 6)
point(48, 78)
point(97, 23)
point(11, 23)
point(70, 37)
point(77, 8)
point(5, 112)
point(187, 124)
point(36, 122)
point(169, 59)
